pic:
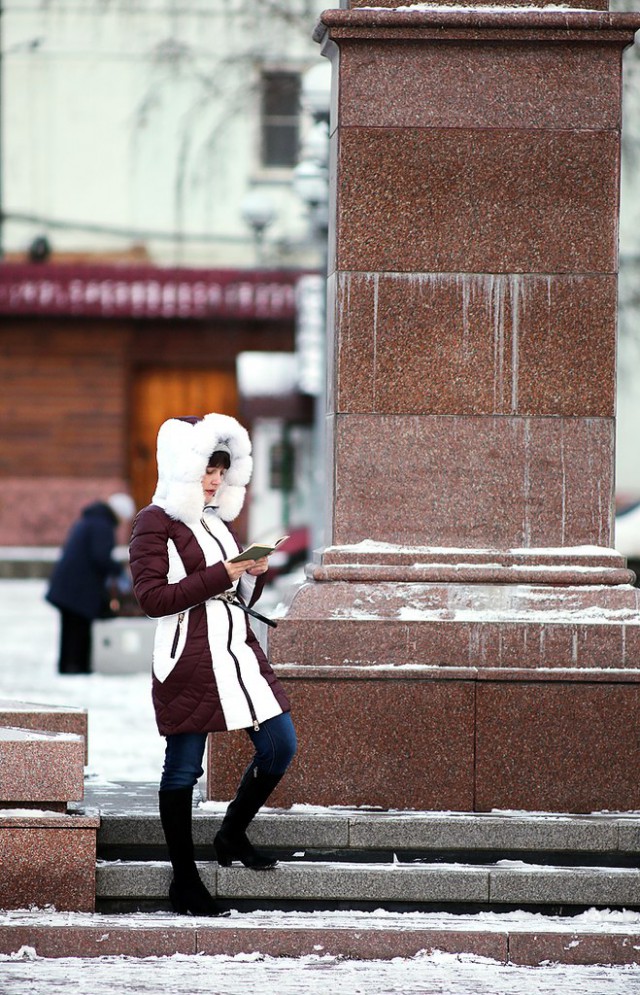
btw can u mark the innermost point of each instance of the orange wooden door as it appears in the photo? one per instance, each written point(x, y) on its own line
point(160, 393)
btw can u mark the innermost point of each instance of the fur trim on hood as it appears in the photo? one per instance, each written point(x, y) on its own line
point(184, 447)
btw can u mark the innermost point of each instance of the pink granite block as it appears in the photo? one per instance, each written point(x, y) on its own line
point(49, 718)
point(529, 645)
point(459, 625)
point(471, 344)
point(474, 649)
point(574, 948)
point(321, 642)
point(473, 482)
point(483, 85)
point(455, 624)
point(419, 732)
point(43, 865)
point(392, 4)
point(535, 742)
point(458, 200)
point(469, 648)
point(44, 767)
point(99, 939)
point(30, 818)
point(356, 944)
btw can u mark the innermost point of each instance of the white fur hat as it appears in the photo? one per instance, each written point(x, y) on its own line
point(184, 448)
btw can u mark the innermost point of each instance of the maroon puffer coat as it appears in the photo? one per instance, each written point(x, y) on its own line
point(209, 671)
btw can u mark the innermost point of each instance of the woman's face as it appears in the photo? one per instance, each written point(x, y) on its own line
point(211, 481)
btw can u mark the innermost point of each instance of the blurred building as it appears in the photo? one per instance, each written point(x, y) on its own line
point(150, 236)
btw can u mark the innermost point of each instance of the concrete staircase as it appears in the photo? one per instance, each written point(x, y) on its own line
point(518, 888)
point(337, 859)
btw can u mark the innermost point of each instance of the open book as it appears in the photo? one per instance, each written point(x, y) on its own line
point(257, 550)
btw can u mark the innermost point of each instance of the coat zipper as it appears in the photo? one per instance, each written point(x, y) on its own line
point(176, 637)
point(254, 717)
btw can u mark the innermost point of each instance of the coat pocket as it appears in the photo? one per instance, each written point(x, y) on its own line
point(169, 643)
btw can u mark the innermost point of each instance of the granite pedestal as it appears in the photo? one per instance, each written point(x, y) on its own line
point(467, 638)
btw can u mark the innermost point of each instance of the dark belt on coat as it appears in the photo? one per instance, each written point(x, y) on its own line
point(231, 598)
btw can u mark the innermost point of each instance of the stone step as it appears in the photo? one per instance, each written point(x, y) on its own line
point(300, 883)
point(605, 838)
point(47, 858)
point(509, 939)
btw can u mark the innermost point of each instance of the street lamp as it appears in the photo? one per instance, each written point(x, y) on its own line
point(258, 212)
point(316, 91)
point(311, 175)
point(311, 184)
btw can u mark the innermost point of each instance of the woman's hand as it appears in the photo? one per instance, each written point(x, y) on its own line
point(253, 567)
point(236, 570)
point(258, 567)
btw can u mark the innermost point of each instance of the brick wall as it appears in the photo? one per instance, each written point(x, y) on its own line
point(66, 389)
point(62, 405)
point(62, 398)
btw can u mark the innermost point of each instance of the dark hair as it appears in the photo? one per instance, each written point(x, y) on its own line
point(219, 458)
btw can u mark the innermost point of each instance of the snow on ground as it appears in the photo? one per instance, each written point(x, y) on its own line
point(436, 974)
point(123, 740)
point(124, 745)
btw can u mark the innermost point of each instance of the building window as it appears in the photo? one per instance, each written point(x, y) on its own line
point(280, 118)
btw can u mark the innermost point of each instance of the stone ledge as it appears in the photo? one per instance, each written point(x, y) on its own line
point(507, 22)
point(50, 718)
point(364, 936)
point(41, 767)
point(33, 818)
point(382, 562)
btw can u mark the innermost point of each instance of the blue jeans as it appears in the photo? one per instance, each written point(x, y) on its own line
point(275, 745)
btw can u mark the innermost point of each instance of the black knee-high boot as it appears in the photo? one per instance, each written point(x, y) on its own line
point(187, 892)
point(231, 842)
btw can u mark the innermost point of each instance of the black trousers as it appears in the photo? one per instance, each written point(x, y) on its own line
point(75, 644)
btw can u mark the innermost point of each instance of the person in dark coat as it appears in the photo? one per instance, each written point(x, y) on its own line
point(209, 671)
point(78, 586)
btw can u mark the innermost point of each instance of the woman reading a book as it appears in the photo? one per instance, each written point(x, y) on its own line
point(209, 671)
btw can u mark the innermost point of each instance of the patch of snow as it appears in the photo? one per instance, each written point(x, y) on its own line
point(31, 813)
point(597, 613)
point(615, 921)
point(374, 546)
point(428, 973)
